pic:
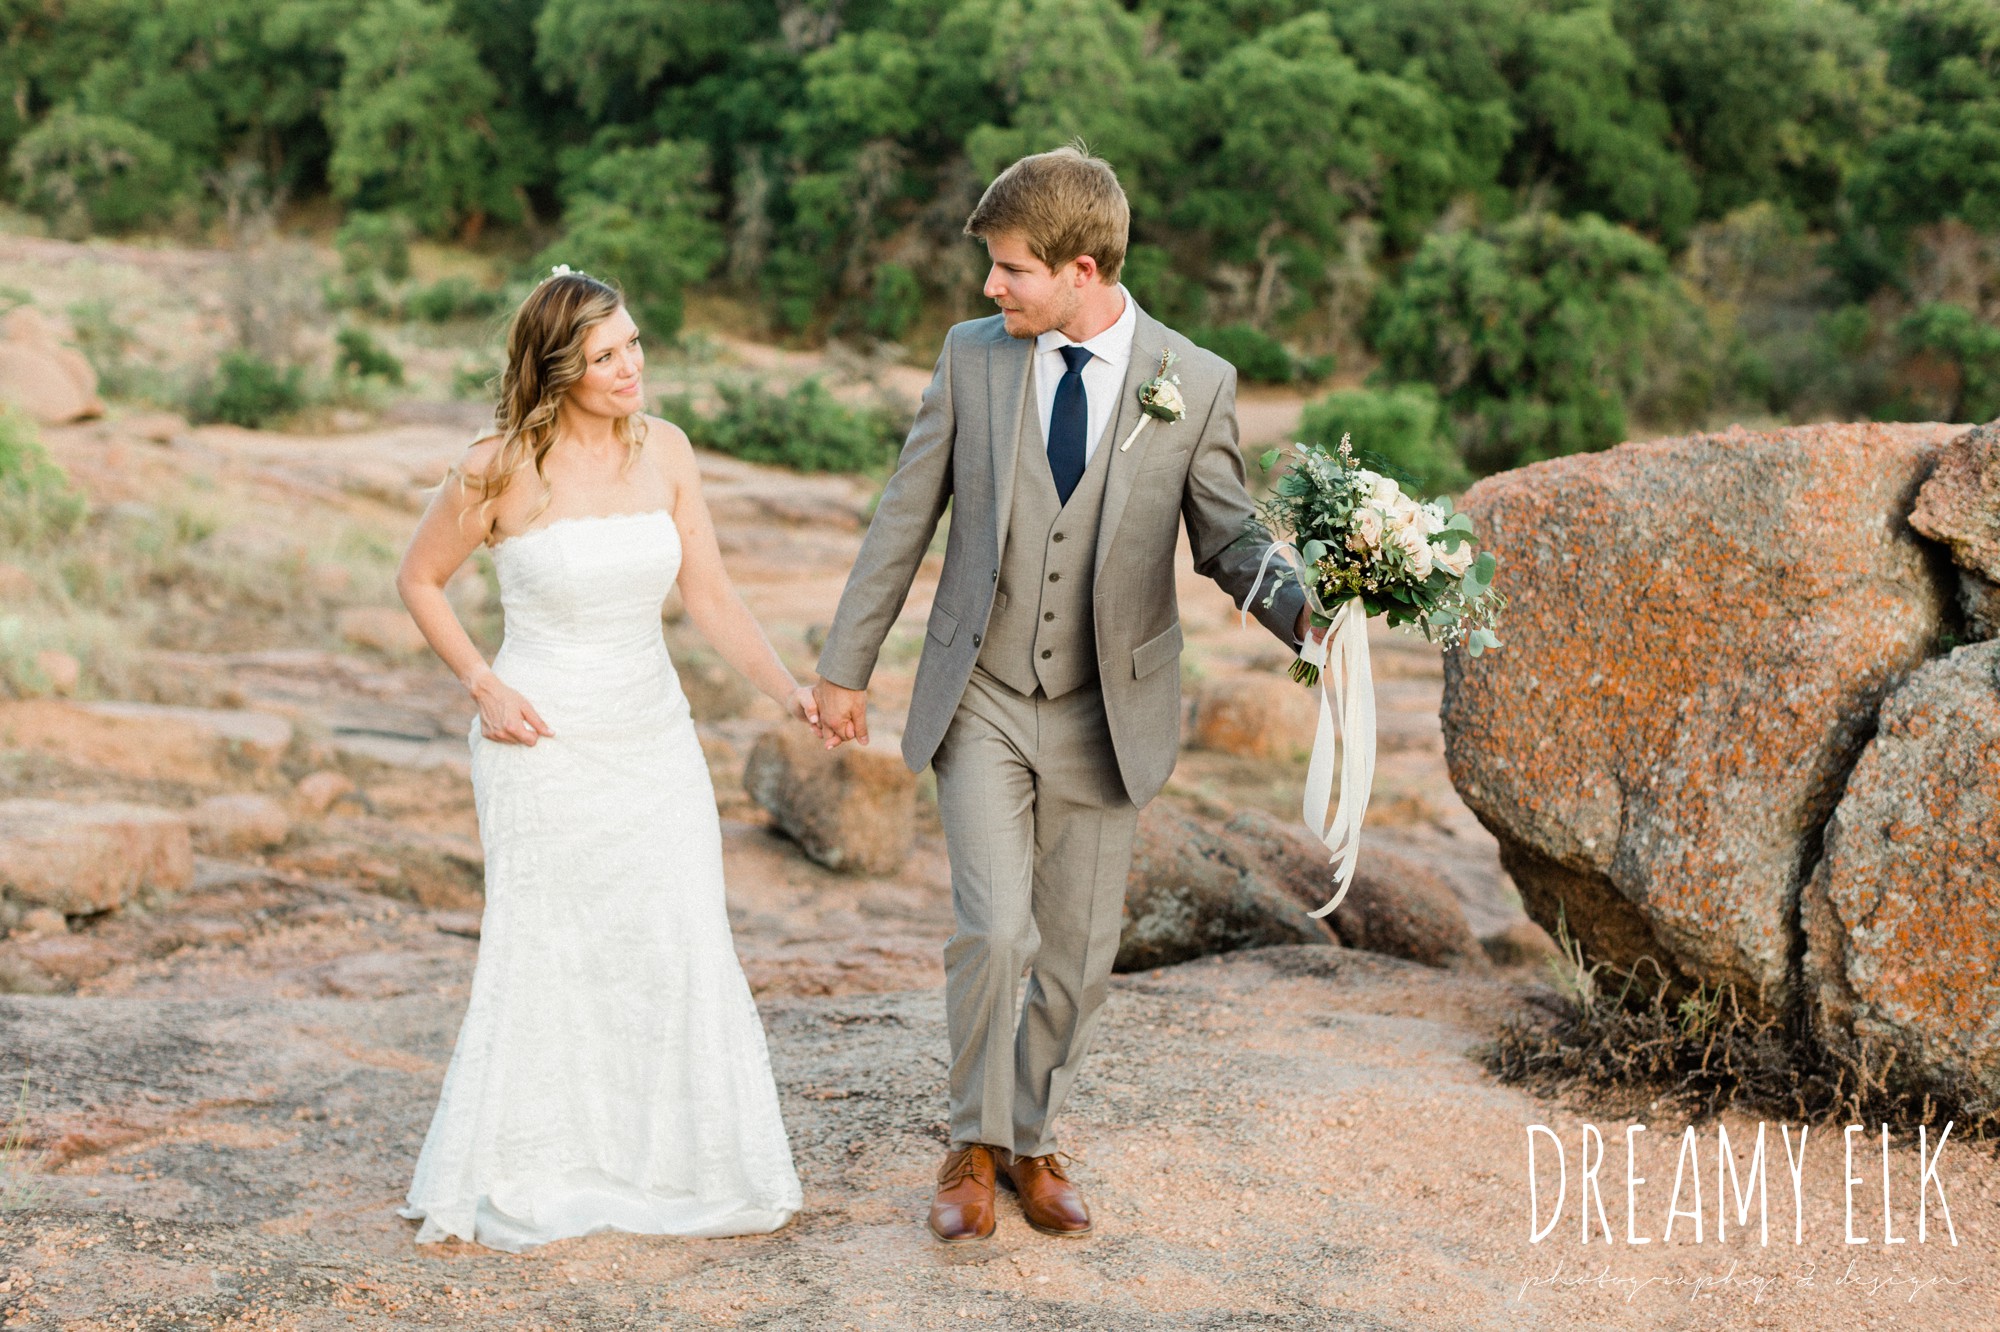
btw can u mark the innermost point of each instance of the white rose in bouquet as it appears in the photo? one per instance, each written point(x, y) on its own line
point(1367, 534)
point(1414, 544)
point(1454, 562)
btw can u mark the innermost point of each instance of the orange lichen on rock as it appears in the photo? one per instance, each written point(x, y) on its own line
point(1700, 632)
point(1902, 915)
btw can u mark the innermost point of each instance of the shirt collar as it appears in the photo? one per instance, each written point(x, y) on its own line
point(1113, 345)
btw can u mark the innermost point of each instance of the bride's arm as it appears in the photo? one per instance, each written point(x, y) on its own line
point(711, 599)
point(450, 530)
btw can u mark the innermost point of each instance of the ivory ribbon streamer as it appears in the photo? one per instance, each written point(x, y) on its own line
point(1346, 721)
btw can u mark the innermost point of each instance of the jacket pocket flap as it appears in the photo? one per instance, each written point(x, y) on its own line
point(943, 626)
point(1156, 651)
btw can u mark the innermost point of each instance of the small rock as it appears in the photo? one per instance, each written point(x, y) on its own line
point(261, 737)
point(1960, 502)
point(386, 629)
point(70, 958)
point(329, 580)
point(38, 374)
point(149, 741)
point(60, 669)
point(1522, 944)
point(320, 791)
point(42, 920)
point(240, 824)
point(853, 809)
point(1254, 716)
point(155, 427)
point(81, 858)
point(1396, 904)
point(1194, 889)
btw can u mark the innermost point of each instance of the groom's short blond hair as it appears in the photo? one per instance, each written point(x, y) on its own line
point(1064, 203)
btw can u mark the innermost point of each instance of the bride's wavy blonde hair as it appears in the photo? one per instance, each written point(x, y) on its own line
point(544, 361)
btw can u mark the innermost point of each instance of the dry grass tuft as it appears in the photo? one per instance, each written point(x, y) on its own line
point(1632, 1042)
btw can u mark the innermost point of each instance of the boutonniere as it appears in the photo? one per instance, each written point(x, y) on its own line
point(1159, 397)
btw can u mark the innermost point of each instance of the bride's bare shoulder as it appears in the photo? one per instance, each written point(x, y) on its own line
point(480, 461)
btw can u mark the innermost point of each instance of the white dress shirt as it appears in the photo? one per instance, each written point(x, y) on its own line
point(1103, 375)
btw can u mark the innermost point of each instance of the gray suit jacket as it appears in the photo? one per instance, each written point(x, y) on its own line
point(975, 416)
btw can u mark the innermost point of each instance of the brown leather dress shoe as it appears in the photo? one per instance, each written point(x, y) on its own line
point(1048, 1200)
point(963, 1207)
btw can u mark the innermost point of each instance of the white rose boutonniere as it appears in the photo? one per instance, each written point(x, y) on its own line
point(1159, 397)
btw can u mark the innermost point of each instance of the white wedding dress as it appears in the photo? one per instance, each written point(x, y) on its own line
point(611, 1071)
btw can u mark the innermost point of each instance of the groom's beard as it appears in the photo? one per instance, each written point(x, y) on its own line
point(1039, 320)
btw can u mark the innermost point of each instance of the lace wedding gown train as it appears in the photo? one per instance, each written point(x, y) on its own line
point(611, 1071)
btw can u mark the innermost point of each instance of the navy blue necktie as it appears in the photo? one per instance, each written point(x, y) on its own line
point(1069, 423)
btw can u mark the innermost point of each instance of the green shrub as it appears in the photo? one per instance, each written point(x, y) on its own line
point(81, 173)
point(35, 497)
point(1257, 356)
point(1970, 351)
point(362, 357)
point(803, 428)
point(474, 379)
point(248, 391)
point(451, 298)
point(1399, 431)
point(375, 245)
point(895, 302)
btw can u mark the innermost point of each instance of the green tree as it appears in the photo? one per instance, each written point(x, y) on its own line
point(80, 172)
point(411, 120)
point(1532, 333)
point(640, 217)
point(612, 53)
point(1400, 431)
point(1295, 138)
point(1968, 347)
point(1943, 161)
point(1591, 132)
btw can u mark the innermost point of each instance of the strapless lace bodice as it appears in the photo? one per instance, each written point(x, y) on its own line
point(581, 599)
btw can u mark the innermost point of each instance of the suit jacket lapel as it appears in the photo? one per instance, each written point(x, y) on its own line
point(1147, 340)
point(1007, 386)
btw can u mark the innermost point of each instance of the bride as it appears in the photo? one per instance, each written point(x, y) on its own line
point(611, 1072)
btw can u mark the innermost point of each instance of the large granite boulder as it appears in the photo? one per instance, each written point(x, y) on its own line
point(1700, 634)
point(1902, 916)
point(1960, 506)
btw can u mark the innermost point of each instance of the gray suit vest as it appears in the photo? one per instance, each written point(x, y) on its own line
point(1042, 632)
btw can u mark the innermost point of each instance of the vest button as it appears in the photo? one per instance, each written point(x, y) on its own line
point(1055, 578)
point(1048, 615)
point(1046, 654)
point(975, 640)
point(1058, 536)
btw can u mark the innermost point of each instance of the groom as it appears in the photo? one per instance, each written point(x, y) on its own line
point(1048, 695)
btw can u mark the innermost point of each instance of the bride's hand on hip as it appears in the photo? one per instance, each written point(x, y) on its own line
point(504, 715)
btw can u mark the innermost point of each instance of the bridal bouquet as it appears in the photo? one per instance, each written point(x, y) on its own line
point(1365, 548)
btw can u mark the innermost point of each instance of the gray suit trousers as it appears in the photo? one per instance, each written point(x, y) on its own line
point(1040, 830)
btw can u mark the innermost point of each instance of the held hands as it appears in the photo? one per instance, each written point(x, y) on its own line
point(504, 715)
point(843, 714)
point(804, 707)
point(1304, 630)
